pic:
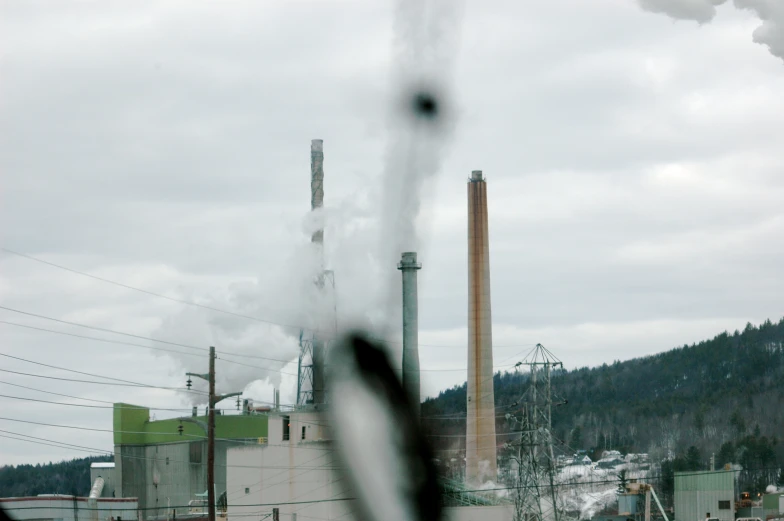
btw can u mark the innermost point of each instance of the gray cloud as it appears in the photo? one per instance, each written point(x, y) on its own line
point(634, 186)
point(770, 12)
point(698, 10)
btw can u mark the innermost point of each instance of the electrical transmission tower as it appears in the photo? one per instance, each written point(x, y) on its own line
point(312, 353)
point(534, 466)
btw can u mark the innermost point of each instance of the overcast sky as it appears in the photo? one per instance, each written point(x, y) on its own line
point(633, 165)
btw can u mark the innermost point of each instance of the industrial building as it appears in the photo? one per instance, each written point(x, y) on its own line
point(293, 472)
point(706, 494)
point(167, 469)
point(296, 473)
point(773, 505)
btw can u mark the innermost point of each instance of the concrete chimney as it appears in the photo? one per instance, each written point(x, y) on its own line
point(316, 202)
point(409, 266)
point(480, 421)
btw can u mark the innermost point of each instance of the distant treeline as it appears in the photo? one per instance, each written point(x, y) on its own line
point(64, 477)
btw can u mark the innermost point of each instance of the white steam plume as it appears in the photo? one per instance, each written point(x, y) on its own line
point(426, 36)
point(770, 12)
point(286, 295)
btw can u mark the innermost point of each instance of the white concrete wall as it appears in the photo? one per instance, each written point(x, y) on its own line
point(295, 477)
point(61, 508)
point(301, 476)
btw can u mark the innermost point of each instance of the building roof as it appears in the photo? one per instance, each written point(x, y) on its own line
point(102, 465)
point(705, 480)
point(132, 426)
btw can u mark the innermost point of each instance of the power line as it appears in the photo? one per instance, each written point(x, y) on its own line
point(98, 509)
point(83, 448)
point(92, 429)
point(152, 293)
point(123, 382)
point(106, 340)
point(222, 353)
point(210, 308)
point(102, 329)
point(97, 383)
point(131, 335)
point(86, 405)
point(57, 394)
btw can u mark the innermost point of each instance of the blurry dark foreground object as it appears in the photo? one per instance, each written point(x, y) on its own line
point(384, 454)
point(4, 516)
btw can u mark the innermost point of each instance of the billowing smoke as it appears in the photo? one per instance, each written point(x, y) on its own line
point(770, 12)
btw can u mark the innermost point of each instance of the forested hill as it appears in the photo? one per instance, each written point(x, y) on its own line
point(64, 477)
point(712, 395)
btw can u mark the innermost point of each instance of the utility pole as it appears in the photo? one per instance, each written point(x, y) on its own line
point(213, 400)
point(211, 442)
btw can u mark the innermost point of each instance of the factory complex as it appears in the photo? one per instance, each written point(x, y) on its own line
point(279, 462)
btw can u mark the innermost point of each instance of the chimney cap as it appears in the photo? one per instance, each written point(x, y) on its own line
point(476, 175)
point(408, 261)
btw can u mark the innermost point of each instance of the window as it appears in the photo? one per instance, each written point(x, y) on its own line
point(167, 460)
point(303, 432)
point(195, 452)
point(724, 505)
point(286, 427)
point(247, 490)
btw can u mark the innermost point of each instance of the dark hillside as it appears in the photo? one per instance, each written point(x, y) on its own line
point(722, 396)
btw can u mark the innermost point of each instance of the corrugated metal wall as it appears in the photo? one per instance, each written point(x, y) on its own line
point(698, 494)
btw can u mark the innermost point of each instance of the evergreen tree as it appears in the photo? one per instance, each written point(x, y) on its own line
point(622, 481)
point(576, 440)
point(693, 459)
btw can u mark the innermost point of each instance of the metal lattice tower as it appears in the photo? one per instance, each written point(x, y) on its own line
point(305, 370)
point(310, 388)
point(533, 473)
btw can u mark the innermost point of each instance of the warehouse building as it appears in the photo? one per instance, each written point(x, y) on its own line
point(699, 495)
point(167, 470)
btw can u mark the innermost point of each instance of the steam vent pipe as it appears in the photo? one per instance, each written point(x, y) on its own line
point(409, 266)
point(316, 202)
point(481, 463)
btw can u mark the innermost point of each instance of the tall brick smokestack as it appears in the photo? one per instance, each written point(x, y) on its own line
point(480, 421)
point(316, 202)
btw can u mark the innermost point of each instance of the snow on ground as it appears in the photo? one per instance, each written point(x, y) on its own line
point(497, 489)
point(590, 490)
